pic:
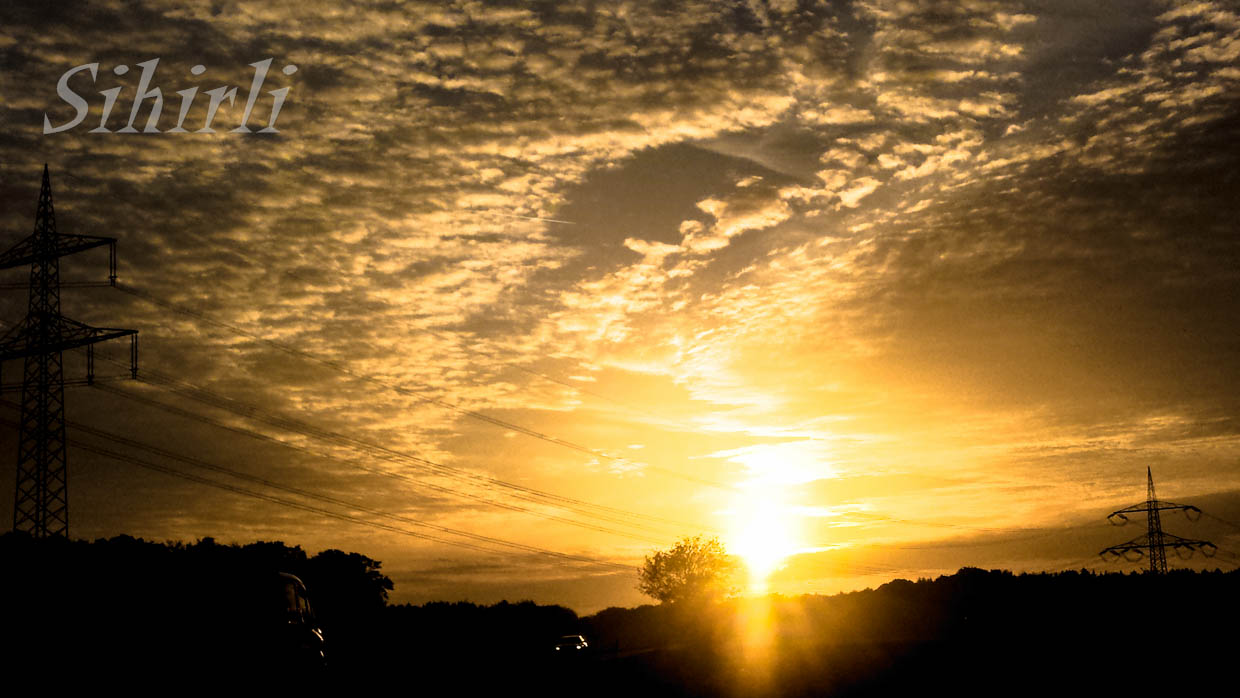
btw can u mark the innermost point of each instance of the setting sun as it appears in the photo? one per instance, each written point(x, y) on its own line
point(762, 532)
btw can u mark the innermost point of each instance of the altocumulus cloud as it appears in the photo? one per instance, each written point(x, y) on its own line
point(997, 234)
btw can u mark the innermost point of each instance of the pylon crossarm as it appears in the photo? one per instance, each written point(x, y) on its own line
point(14, 332)
point(1188, 509)
point(28, 251)
point(1141, 508)
point(1181, 552)
point(1121, 549)
point(1120, 518)
point(1170, 539)
point(1140, 544)
point(1171, 506)
point(68, 334)
point(15, 341)
point(1130, 554)
point(1146, 508)
point(100, 335)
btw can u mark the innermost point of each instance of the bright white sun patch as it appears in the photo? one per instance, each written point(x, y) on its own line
point(762, 531)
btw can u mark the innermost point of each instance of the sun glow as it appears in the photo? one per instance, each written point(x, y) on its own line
point(762, 532)
point(764, 523)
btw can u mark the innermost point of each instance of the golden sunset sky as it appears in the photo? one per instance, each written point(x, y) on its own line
point(522, 291)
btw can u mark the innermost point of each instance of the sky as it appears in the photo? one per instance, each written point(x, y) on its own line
point(519, 292)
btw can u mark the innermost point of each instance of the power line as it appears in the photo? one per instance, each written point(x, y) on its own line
point(978, 544)
point(165, 407)
point(1233, 524)
point(1235, 559)
point(195, 462)
point(341, 368)
point(353, 443)
point(521, 492)
point(255, 413)
point(420, 395)
point(325, 512)
point(575, 387)
point(250, 411)
point(934, 524)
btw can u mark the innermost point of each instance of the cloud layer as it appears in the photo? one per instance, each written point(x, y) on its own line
point(966, 263)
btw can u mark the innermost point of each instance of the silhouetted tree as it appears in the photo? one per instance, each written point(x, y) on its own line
point(695, 568)
point(349, 593)
point(351, 576)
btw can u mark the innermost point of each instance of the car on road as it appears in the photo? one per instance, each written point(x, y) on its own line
point(571, 643)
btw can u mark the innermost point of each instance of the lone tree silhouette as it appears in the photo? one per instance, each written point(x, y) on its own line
point(695, 568)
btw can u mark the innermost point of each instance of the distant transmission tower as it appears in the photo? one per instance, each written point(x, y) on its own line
point(1155, 542)
point(41, 500)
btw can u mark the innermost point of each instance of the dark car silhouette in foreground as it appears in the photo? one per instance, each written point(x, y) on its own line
point(299, 642)
point(262, 623)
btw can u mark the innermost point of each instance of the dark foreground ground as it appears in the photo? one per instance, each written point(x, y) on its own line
point(869, 669)
point(1116, 659)
point(975, 633)
point(175, 619)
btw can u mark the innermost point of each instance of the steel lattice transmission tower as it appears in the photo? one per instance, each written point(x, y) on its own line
point(41, 500)
point(1155, 542)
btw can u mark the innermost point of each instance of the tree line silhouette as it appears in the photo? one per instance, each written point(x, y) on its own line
point(128, 606)
point(119, 603)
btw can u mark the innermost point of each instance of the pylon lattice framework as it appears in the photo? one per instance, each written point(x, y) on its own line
point(41, 499)
point(1155, 542)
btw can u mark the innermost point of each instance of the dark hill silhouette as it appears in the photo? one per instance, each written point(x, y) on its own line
point(973, 633)
point(121, 604)
point(128, 607)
